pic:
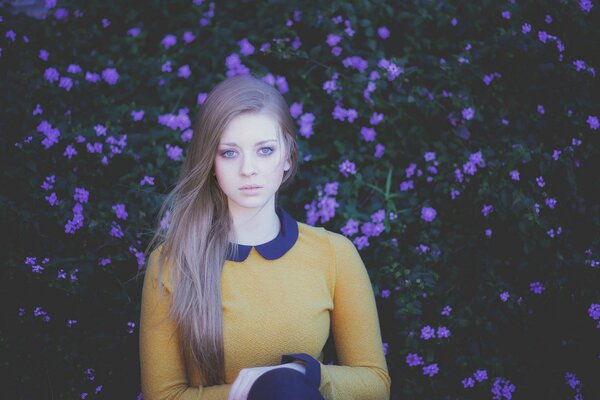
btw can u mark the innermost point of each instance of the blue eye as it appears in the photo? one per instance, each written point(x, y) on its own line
point(268, 153)
point(268, 148)
point(225, 152)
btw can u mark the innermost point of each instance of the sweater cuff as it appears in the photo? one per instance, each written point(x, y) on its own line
point(313, 366)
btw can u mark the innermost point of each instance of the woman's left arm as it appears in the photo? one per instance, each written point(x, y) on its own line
point(362, 372)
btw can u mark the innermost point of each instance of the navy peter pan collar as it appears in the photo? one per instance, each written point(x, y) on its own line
point(287, 237)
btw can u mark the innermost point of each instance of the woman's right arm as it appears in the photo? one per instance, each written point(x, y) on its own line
point(163, 373)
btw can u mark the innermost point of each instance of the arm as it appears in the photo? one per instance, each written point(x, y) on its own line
point(363, 372)
point(163, 372)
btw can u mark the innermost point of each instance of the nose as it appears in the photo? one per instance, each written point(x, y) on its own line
point(248, 167)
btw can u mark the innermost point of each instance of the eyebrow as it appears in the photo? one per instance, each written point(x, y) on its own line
point(261, 142)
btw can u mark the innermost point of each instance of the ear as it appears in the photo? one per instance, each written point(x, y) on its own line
point(287, 166)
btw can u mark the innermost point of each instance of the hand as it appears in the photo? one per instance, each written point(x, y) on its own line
point(247, 376)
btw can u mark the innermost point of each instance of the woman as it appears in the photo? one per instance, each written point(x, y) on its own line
point(239, 297)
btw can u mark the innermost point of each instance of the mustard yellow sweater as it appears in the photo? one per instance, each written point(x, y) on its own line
point(278, 298)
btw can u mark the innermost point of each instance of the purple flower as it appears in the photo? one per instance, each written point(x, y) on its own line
point(480, 375)
point(188, 37)
point(295, 110)
point(504, 296)
point(92, 77)
point(379, 148)
point(119, 209)
point(73, 69)
point(427, 332)
point(592, 121)
point(137, 115)
point(44, 55)
point(371, 229)
point(488, 232)
point(246, 47)
point(428, 214)
point(536, 287)
point(376, 118)
point(540, 109)
point(502, 388)
point(413, 359)
point(51, 74)
point(368, 134)
point(184, 71)
point(429, 156)
point(385, 294)
point(81, 195)
point(487, 208)
point(443, 332)
point(542, 36)
point(585, 5)
point(594, 311)
point(166, 66)
point(333, 39)
point(378, 216)
point(361, 242)
point(168, 41)
point(551, 202)
point(147, 180)
point(468, 382)
point(174, 152)
point(331, 188)
point(431, 369)
point(540, 181)
point(306, 122)
point(134, 31)
point(116, 230)
point(201, 98)
point(347, 167)
point(110, 76)
point(446, 311)
point(65, 82)
point(468, 113)
point(383, 32)
point(514, 175)
point(506, 14)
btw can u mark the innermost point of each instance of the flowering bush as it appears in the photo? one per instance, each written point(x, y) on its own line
point(456, 145)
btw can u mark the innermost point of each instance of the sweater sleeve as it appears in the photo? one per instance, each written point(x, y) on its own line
point(362, 372)
point(163, 371)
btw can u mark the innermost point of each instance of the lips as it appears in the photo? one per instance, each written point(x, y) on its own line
point(250, 187)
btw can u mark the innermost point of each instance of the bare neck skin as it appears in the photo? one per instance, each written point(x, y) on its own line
point(253, 227)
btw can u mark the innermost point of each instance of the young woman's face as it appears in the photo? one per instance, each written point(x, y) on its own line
point(250, 154)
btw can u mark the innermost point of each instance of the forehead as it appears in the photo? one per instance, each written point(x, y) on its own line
point(249, 127)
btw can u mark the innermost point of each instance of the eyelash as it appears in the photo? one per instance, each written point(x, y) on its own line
point(270, 148)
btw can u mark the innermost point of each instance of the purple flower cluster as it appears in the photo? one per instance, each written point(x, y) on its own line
point(427, 332)
point(393, 70)
point(536, 287)
point(235, 66)
point(502, 389)
point(428, 214)
point(479, 375)
point(305, 122)
point(594, 313)
point(339, 113)
point(413, 359)
point(323, 208)
point(276, 81)
point(347, 168)
point(51, 134)
point(180, 121)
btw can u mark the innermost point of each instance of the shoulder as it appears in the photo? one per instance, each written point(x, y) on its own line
point(321, 238)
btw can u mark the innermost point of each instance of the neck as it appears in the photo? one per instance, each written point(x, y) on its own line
point(255, 226)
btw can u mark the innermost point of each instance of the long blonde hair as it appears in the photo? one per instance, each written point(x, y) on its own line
point(196, 239)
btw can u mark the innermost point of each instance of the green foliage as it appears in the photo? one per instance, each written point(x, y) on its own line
point(417, 267)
